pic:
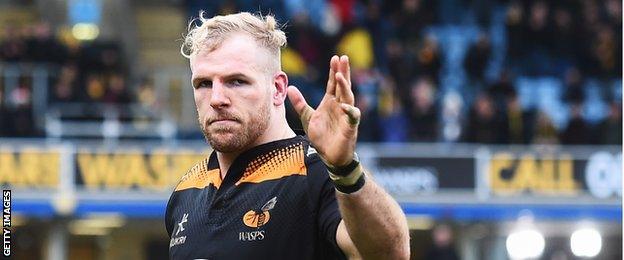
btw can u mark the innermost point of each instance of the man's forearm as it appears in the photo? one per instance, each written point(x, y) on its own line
point(375, 223)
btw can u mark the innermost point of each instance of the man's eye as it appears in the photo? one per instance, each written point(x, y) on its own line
point(204, 84)
point(238, 82)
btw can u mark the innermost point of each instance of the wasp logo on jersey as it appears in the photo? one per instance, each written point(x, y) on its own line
point(258, 218)
point(180, 228)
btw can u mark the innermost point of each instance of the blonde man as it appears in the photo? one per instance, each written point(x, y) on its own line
point(265, 192)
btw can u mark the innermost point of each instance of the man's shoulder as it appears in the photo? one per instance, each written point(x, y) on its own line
point(311, 156)
point(198, 176)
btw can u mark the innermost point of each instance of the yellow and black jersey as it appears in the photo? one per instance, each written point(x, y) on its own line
point(275, 202)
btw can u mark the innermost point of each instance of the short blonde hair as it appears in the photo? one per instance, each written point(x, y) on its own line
point(211, 32)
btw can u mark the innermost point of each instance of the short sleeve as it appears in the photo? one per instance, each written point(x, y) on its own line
point(168, 215)
point(325, 203)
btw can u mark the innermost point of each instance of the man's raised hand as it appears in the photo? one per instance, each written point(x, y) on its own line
point(332, 127)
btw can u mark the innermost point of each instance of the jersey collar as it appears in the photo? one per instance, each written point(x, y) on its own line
point(242, 161)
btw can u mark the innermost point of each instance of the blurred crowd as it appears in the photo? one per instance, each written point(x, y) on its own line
point(398, 66)
point(78, 72)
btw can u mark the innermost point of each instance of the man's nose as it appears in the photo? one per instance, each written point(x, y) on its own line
point(219, 97)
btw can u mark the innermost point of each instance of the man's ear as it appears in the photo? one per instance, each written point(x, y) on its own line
point(280, 83)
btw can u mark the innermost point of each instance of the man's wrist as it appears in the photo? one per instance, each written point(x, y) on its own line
point(349, 179)
point(352, 188)
point(344, 170)
point(352, 181)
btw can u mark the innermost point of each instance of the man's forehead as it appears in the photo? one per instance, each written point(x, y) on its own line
point(236, 51)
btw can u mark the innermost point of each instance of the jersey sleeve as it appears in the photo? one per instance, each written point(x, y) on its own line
point(326, 205)
point(168, 215)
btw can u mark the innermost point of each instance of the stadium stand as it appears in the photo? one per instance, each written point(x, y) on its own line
point(481, 117)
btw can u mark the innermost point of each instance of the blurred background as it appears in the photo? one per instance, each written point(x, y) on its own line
point(496, 124)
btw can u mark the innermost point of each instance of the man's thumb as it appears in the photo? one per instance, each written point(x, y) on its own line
point(300, 105)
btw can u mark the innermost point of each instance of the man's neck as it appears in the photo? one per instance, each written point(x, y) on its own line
point(226, 159)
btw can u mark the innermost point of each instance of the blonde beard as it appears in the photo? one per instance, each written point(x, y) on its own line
point(239, 140)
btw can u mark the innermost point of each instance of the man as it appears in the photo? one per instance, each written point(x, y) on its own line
point(264, 192)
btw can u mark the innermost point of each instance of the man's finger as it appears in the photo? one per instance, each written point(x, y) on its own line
point(301, 106)
point(353, 114)
point(345, 67)
point(344, 88)
point(331, 81)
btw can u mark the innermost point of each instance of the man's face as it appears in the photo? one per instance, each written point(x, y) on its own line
point(232, 89)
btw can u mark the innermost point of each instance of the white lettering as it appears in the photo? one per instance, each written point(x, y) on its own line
point(407, 180)
point(603, 174)
point(6, 208)
point(177, 241)
point(6, 219)
point(7, 241)
point(251, 236)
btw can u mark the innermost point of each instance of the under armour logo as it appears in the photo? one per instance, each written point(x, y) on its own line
point(181, 223)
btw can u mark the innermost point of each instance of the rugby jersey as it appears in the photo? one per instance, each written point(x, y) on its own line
point(275, 202)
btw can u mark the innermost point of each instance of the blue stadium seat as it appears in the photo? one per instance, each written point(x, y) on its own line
point(543, 93)
point(595, 108)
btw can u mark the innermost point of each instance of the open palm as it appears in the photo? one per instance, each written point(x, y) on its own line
point(332, 127)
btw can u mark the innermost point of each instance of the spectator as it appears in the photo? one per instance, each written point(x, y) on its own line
point(565, 38)
point(590, 23)
point(13, 49)
point(116, 91)
point(43, 46)
point(573, 83)
point(536, 26)
point(477, 59)
point(423, 113)
point(537, 49)
point(428, 61)
point(149, 105)
point(442, 248)
point(513, 24)
point(147, 96)
point(399, 65)
point(94, 88)
point(517, 124)
point(577, 131)
point(5, 117)
point(311, 45)
point(393, 121)
point(483, 10)
point(502, 88)
point(411, 18)
point(368, 131)
point(613, 9)
point(545, 131)
point(610, 129)
point(22, 116)
point(101, 58)
point(65, 87)
point(483, 125)
point(379, 29)
point(605, 53)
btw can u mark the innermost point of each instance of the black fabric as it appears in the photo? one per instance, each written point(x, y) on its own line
point(352, 188)
point(301, 224)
